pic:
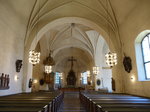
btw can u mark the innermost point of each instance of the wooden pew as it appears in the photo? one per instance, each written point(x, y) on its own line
point(114, 103)
point(33, 102)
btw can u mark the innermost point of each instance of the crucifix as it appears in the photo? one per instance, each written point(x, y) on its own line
point(72, 59)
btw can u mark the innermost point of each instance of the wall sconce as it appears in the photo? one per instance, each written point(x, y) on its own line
point(132, 78)
point(16, 77)
point(18, 65)
point(35, 81)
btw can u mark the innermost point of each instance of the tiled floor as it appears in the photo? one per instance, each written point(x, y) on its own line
point(71, 103)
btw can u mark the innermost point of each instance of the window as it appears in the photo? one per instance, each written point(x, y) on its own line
point(57, 78)
point(84, 78)
point(145, 43)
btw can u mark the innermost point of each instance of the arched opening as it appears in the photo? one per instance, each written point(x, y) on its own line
point(141, 48)
point(91, 45)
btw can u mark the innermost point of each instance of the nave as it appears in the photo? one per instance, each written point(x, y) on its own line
point(71, 103)
point(84, 101)
point(50, 46)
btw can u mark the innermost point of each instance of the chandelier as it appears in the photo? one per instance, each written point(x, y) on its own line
point(48, 63)
point(95, 70)
point(88, 73)
point(48, 69)
point(34, 57)
point(111, 59)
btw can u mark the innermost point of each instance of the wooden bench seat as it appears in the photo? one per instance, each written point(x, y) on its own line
point(31, 102)
point(29, 99)
point(115, 103)
point(23, 105)
point(125, 105)
point(118, 109)
point(21, 109)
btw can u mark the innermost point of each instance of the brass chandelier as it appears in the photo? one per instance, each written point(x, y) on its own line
point(34, 57)
point(111, 58)
point(48, 63)
point(95, 70)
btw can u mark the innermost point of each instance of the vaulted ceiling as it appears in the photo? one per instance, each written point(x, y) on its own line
point(69, 40)
point(33, 11)
point(35, 14)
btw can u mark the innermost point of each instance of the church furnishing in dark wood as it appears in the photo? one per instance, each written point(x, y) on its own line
point(71, 78)
point(32, 102)
point(112, 102)
point(4, 81)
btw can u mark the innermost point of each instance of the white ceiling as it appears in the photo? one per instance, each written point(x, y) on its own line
point(64, 37)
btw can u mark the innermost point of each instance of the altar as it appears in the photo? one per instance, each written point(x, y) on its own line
point(71, 78)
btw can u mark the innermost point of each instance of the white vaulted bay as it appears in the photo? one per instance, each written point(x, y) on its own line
point(77, 34)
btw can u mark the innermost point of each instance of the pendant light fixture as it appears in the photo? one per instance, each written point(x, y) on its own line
point(111, 58)
point(48, 63)
point(88, 73)
point(95, 70)
point(34, 57)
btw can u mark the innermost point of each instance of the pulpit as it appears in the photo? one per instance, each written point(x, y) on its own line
point(49, 79)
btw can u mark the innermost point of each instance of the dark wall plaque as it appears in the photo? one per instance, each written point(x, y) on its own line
point(98, 82)
point(127, 64)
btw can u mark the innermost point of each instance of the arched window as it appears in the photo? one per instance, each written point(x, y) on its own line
point(57, 78)
point(145, 46)
point(84, 78)
point(142, 52)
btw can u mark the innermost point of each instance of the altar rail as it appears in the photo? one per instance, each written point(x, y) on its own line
point(71, 89)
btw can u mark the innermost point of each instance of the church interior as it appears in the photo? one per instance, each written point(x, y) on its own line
point(93, 52)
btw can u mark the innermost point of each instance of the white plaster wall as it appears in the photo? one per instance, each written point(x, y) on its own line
point(105, 75)
point(106, 71)
point(12, 33)
point(136, 22)
point(38, 69)
point(100, 49)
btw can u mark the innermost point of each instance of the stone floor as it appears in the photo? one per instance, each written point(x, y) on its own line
point(71, 103)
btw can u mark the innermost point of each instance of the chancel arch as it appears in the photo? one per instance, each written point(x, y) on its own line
point(83, 61)
point(54, 24)
point(86, 58)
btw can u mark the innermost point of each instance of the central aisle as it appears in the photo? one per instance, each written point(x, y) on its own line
point(71, 103)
